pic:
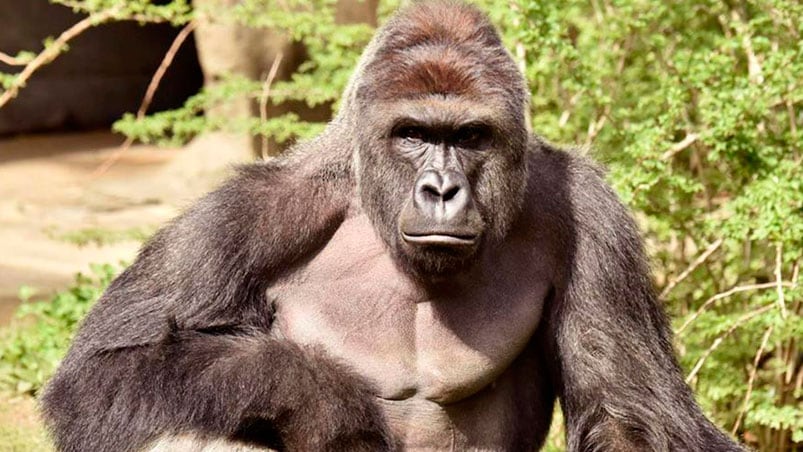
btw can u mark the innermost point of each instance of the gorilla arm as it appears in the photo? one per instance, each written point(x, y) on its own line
point(179, 342)
point(619, 384)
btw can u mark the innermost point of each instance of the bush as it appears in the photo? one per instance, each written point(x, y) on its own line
point(31, 348)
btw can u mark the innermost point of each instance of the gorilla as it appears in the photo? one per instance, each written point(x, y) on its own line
point(425, 274)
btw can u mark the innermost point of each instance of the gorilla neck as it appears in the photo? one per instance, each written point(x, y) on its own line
point(436, 273)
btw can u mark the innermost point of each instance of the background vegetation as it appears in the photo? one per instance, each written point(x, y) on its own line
point(695, 106)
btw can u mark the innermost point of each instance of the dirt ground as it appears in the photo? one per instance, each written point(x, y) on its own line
point(49, 188)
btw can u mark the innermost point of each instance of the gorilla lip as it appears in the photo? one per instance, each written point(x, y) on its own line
point(440, 239)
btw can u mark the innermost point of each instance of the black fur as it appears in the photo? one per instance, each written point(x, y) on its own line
point(182, 343)
point(610, 344)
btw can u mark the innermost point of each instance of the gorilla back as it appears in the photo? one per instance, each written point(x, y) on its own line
point(426, 274)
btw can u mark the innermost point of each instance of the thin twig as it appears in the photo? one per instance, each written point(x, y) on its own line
point(564, 117)
point(700, 259)
point(753, 65)
point(175, 46)
point(594, 127)
point(726, 294)
point(689, 140)
point(751, 380)
point(521, 54)
point(741, 320)
point(148, 97)
point(11, 61)
point(779, 278)
point(263, 99)
point(52, 51)
point(790, 112)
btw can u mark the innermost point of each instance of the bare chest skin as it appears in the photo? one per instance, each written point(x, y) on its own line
point(421, 348)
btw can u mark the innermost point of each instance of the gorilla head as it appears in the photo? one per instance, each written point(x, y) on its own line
point(442, 137)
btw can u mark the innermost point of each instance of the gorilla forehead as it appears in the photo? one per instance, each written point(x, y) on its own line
point(432, 69)
point(444, 49)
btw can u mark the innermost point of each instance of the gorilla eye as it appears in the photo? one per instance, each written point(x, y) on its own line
point(471, 137)
point(410, 133)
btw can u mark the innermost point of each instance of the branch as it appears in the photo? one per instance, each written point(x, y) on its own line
point(175, 46)
point(790, 112)
point(564, 117)
point(521, 54)
point(779, 278)
point(149, 93)
point(689, 140)
point(753, 65)
point(594, 127)
point(751, 380)
point(52, 51)
point(263, 99)
point(741, 320)
point(700, 259)
point(10, 60)
point(726, 294)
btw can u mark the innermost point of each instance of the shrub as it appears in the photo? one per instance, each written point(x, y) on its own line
point(31, 348)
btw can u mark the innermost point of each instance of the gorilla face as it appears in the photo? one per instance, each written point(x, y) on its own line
point(440, 225)
point(440, 213)
point(442, 181)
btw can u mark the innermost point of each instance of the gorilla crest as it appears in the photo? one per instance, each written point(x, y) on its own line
point(426, 274)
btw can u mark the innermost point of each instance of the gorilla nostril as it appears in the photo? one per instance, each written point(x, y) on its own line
point(430, 191)
point(451, 193)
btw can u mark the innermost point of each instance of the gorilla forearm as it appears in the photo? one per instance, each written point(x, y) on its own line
point(621, 388)
point(245, 387)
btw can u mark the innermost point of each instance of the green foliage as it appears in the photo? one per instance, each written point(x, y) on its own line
point(176, 12)
point(332, 49)
point(31, 348)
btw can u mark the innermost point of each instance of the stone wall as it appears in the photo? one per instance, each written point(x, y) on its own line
point(104, 73)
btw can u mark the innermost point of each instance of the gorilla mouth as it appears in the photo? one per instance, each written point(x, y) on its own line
point(440, 239)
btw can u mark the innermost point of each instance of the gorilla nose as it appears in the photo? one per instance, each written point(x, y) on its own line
point(441, 195)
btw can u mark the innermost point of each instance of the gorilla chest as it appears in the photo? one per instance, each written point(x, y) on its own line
point(444, 345)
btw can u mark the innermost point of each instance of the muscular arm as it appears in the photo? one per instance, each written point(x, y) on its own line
point(618, 382)
point(179, 342)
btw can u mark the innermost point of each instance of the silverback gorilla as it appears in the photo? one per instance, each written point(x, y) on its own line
point(426, 274)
